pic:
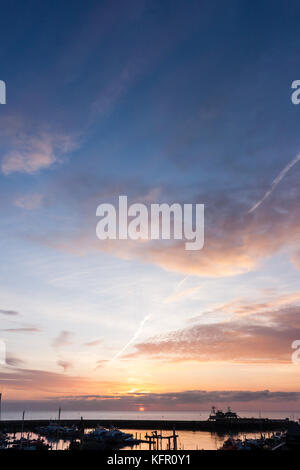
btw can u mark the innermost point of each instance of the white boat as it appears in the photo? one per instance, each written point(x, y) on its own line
point(112, 435)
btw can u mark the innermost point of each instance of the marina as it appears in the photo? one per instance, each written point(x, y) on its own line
point(222, 430)
point(186, 440)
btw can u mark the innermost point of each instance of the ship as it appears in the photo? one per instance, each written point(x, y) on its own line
point(229, 420)
point(219, 415)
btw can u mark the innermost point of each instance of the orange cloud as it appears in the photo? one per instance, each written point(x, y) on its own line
point(29, 383)
point(242, 306)
point(259, 339)
point(235, 242)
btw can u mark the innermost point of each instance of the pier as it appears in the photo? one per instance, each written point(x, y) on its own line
point(155, 440)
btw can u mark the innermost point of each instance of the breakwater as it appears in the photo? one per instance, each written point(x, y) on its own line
point(242, 424)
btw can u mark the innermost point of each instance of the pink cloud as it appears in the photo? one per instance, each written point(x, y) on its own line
point(64, 364)
point(33, 153)
point(261, 338)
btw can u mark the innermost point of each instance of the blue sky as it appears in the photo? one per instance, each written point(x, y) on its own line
point(164, 102)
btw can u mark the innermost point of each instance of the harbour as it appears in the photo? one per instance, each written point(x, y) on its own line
point(221, 430)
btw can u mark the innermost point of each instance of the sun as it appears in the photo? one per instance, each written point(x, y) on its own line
point(141, 408)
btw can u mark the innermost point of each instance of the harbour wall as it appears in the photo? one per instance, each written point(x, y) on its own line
point(251, 424)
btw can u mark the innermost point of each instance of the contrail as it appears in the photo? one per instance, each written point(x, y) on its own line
point(181, 282)
point(135, 336)
point(275, 183)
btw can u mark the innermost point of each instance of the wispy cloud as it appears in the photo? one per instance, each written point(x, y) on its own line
point(63, 339)
point(34, 153)
point(93, 343)
point(181, 294)
point(13, 361)
point(29, 201)
point(21, 330)
point(235, 243)
point(261, 338)
point(276, 181)
point(39, 382)
point(9, 312)
point(64, 364)
point(244, 306)
point(101, 363)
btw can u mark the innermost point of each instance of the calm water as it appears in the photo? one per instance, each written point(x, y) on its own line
point(151, 415)
point(188, 440)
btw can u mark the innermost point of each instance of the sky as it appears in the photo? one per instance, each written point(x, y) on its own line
point(186, 102)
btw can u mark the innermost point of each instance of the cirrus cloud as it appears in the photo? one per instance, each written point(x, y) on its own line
point(265, 337)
